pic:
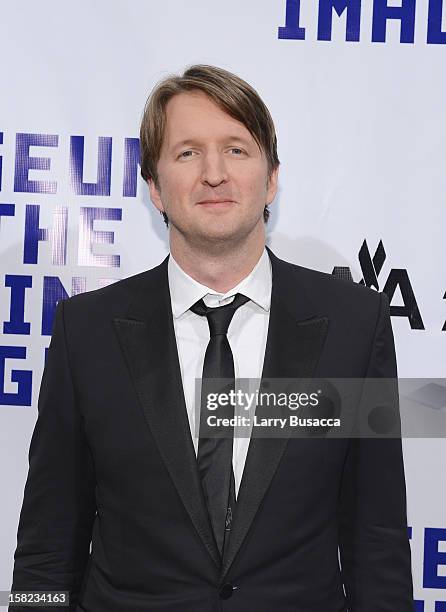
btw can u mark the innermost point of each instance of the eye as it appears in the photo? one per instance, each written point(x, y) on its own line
point(237, 149)
point(185, 155)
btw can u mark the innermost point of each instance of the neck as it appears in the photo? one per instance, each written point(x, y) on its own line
point(220, 268)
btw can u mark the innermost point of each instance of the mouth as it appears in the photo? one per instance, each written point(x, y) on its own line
point(216, 203)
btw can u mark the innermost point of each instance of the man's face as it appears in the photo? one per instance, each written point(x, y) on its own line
point(213, 180)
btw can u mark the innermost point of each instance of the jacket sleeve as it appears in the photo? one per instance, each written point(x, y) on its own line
point(56, 519)
point(373, 537)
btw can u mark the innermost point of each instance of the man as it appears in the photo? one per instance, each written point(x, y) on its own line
point(117, 456)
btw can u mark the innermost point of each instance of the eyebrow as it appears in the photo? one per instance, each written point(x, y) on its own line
point(191, 141)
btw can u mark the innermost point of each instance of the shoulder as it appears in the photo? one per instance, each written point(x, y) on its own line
point(335, 297)
point(358, 317)
point(334, 287)
point(113, 300)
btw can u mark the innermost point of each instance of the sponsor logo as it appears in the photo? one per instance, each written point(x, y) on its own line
point(398, 278)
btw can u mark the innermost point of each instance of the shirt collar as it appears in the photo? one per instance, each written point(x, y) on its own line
point(185, 291)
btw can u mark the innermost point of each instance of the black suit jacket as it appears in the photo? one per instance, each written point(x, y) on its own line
point(112, 462)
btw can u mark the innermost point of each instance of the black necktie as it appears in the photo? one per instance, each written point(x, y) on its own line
point(215, 454)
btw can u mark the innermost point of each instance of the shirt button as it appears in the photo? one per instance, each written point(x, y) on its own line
point(227, 591)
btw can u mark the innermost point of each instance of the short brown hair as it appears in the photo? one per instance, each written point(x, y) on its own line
point(231, 93)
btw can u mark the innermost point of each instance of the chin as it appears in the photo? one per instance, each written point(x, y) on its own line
point(223, 235)
point(217, 231)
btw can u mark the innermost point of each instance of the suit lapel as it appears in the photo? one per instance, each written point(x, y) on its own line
point(296, 335)
point(147, 339)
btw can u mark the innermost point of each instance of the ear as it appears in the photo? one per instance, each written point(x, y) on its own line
point(155, 195)
point(272, 185)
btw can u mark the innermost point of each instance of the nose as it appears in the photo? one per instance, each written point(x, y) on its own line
point(214, 170)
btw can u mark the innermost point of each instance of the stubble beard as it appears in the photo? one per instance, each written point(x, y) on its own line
point(214, 244)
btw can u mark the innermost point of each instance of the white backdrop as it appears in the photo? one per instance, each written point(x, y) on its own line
point(361, 133)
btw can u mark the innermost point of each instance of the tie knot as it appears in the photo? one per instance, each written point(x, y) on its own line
point(220, 317)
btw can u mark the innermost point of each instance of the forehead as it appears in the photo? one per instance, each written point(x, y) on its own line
point(194, 116)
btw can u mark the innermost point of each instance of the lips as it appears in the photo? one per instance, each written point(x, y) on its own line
point(213, 202)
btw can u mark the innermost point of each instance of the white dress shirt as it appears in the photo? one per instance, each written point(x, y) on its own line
point(247, 334)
